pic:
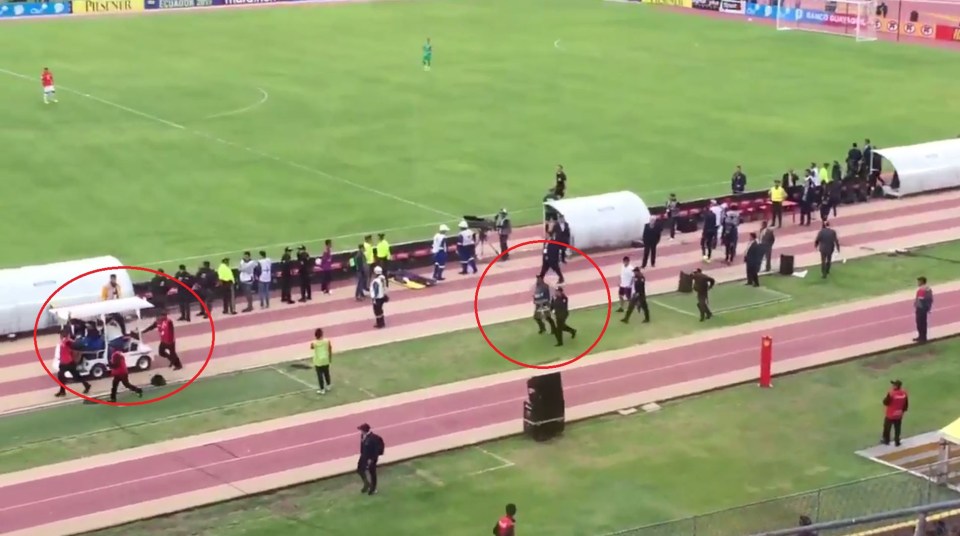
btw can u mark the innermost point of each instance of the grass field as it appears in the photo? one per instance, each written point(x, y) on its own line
point(74, 431)
point(354, 136)
point(714, 451)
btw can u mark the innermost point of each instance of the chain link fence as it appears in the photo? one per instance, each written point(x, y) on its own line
point(892, 491)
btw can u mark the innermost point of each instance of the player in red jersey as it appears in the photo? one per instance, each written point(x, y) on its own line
point(49, 92)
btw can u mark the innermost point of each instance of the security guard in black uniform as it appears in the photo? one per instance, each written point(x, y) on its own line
point(206, 282)
point(639, 298)
point(561, 310)
point(561, 233)
point(286, 268)
point(305, 266)
point(551, 261)
point(541, 306)
point(159, 287)
point(183, 295)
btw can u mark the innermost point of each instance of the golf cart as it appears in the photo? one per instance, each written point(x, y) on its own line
point(94, 362)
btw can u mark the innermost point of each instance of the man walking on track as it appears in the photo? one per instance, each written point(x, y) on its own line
point(67, 364)
point(702, 284)
point(828, 243)
point(118, 369)
point(639, 299)
point(378, 293)
point(561, 310)
point(505, 525)
point(168, 342)
point(541, 306)
point(923, 303)
point(371, 448)
point(322, 357)
point(896, 403)
point(753, 259)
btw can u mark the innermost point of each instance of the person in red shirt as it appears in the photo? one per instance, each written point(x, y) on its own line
point(49, 91)
point(168, 343)
point(67, 364)
point(922, 304)
point(118, 369)
point(505, 526)
point(896, 403)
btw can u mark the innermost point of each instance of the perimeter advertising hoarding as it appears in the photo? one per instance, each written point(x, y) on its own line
point(759, 11)
point(180, 4)
point(706, 5)
point(107, 6)
point(675, 3)
point(948, 33)
point(733, 6)
point(34, 9)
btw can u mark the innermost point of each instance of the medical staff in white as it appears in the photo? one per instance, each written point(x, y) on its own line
point(467, 249)
point(378, 293)
point(439, 250)
point(626, 282)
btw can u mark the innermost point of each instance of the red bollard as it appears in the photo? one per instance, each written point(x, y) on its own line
point(766, 362)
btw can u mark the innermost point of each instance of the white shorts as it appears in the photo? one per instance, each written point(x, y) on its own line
point(49, 89)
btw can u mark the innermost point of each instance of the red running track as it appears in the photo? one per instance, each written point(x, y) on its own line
point(99, 490)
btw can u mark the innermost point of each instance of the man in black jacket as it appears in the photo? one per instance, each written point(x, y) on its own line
point(853, 160)
point(790, 179)
point(561, 233)
point(286, 275)
point(183, 295)
point(305, 266)
point(651, 239)
point(738, 182)
point(807, 198)
point(827, 243)
point(551, 261)
point(702, 284)
point(561, 310)
point(708, 237)
point(639, 298)
point(371, 448)
point(205, 285)
point(159, 290)
point(753, 259)
point(767, 238)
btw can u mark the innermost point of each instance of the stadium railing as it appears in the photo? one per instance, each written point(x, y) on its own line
point(865, 497)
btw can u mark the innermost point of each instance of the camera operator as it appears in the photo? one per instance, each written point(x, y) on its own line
point(502, 224)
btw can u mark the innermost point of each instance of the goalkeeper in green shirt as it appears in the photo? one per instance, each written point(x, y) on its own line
point(427, 55)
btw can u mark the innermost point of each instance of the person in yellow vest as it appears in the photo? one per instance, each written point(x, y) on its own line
point(227, 282)
point(825, 175)
point(111, 291)
point(322, 357)
point(777, 196)
point(383, 255)
point(369, 255)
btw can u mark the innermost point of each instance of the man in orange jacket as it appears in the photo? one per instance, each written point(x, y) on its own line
point(896, 403)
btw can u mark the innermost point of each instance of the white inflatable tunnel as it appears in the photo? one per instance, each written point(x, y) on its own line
point(612, 220)
point(24, 290)
point(924, 167)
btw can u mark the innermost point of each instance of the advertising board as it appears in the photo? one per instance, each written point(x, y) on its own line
point(107, 6)
point(947, 33)
point(34, 9)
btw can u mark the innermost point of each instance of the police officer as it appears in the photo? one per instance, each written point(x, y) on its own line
point(305, 266)
point(286, 275)
point(541, 306)
point(371, 448)
point(702, 283)
point(439, 251)
point(503, 226)
point(730, 234)
point(159, 289)
point(204, 284)
point(639, 298)
point(561, 233)
point(561, 310)
point(708, 236)
point(183, 295)
point(551, 261)
point(467, 249)
point(378, 293)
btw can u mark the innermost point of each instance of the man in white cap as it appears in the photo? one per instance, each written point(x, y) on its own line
point(378, 293)
point(467, 249)
point(439, 250)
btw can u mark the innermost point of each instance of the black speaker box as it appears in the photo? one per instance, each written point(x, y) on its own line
point(687, 225)
point(544, 412)
point(685, 284)
point(786, 264)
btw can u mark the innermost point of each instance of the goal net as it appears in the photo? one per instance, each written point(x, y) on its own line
point(851, 18)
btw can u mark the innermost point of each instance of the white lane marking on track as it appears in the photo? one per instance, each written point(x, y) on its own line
point(431, 418)
point(264, 96)
point(256, 152)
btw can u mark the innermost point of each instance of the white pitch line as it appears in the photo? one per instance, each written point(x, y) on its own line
point(256, 152)
point(264, 96)
point(492, 469)
point(672, 308)
point(499, 458)
point(361, 389)
point(301, 381)
point(429, 477)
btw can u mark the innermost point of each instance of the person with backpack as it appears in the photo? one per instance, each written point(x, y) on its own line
point(371, 448)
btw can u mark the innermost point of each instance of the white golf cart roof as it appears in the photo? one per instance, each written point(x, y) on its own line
point(100, 308)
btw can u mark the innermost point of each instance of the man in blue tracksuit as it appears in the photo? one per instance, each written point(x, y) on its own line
point(467, 249)
point(439, 250)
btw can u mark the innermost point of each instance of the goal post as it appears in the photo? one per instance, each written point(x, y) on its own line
point(850, 18)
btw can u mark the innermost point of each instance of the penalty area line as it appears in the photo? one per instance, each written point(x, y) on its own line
point(264, 96)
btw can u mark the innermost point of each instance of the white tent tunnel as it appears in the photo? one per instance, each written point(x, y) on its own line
point(25, 289)
point(924, 167)
point(605, 221)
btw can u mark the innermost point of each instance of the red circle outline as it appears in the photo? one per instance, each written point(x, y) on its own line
point(476, 309)
point(43, 309)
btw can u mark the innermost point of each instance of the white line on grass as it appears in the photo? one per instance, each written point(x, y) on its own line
point(672, 308)
point(503, 463)
point(361, 389)
point(256, 152)
point(301, 381)
point(264, 96)
point(497, 457)
point(429, 477)
point(754, 305)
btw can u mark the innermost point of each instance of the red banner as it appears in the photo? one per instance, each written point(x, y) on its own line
point(948, 33)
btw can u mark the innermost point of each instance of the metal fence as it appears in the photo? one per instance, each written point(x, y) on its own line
point(892, 491)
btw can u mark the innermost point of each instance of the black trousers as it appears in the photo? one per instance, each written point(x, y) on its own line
point(921, 325)
point(227, 295)
point(121, 323)
point(777, 218)
point(707, 242)
point(639, 303)
point(306, 291)
point(729, 250)
point(325, 277)
point(378, 312)
point(649, 254)
point(703, 305)
point(285, 288)
point(806, 213)
point(184, 303)
point(72, 369)
point(672, 226)
point(504, 247)
point(541, 317)
point(824, 211)
point(169, 351)
point(323, 376)
point(125, 380)
point(767, 254)
point(895, 424)
point(563, 327)
point(554, 265)
point(826, 260)
point(753, 275)
point(367, 469)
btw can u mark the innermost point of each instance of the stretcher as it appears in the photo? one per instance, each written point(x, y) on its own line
point(411, 280)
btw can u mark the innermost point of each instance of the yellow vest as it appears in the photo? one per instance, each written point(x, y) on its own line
point(368, 252)
point(224, 273)
point(825, 176)
point(321, 353)
point(383, 249)
point(777, 194)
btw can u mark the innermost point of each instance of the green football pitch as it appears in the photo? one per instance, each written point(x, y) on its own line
point(184, 135)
